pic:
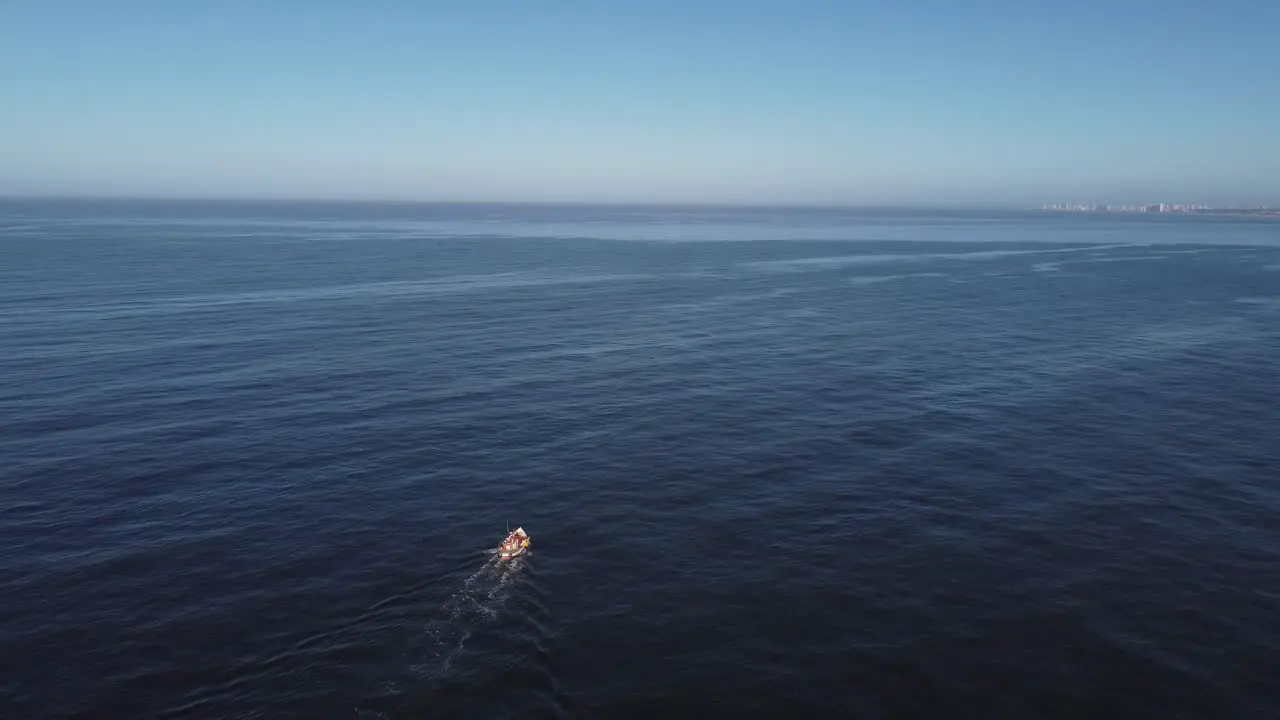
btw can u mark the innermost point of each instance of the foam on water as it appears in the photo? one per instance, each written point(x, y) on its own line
point(477, 602)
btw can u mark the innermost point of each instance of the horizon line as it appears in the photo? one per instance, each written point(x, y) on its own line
point(622, 203)
point(545, 202)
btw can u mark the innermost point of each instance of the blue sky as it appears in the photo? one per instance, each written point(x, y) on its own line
point(923, 102)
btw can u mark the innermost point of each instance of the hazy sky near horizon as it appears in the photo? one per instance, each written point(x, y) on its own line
point(977, 102)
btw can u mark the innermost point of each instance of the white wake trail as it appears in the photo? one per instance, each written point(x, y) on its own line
point(478, 600)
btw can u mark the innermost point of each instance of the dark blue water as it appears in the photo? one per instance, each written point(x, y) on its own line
point(775, 463)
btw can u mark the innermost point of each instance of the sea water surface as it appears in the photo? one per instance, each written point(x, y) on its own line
point(774, 462)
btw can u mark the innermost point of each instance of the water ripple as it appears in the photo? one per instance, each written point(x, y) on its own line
point(910, 466)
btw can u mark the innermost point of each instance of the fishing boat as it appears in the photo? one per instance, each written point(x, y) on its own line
point(515, 544)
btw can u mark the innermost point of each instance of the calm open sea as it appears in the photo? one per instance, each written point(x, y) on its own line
point(774, 462)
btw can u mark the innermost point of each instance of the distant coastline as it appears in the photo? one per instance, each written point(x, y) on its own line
point(1165, 209)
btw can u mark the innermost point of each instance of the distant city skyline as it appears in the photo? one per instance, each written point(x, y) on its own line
point(985, 103)
point(1163, 208)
